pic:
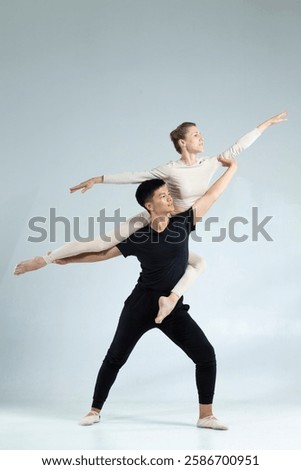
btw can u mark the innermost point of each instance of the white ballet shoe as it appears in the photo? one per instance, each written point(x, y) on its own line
point(211, 422)
point(91, 418)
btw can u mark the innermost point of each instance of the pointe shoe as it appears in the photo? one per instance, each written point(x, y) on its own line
point(91, 418)
point(211, 422)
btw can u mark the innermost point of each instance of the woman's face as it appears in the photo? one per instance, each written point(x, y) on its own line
point(193, 140)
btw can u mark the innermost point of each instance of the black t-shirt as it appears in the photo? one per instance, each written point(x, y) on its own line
point(163, 256)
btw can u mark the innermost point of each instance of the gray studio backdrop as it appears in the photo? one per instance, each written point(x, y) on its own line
point(93, 87)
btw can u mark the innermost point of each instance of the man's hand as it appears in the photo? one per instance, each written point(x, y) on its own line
point(85, 185)
point(62, 261)
point(228, 162)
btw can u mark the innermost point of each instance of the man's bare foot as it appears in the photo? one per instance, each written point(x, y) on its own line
point(166, 306)
point(29, 265)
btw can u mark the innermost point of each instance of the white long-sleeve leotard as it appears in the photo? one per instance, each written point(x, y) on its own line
point(186, 183)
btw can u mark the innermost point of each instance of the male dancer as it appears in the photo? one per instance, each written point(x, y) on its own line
point(162, 249)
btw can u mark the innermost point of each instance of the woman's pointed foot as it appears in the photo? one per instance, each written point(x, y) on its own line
point(166, 306)
point(29, 265)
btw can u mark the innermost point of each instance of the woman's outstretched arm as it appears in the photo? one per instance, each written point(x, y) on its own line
point(130, 177)
point(248, 139)
point(273, 120)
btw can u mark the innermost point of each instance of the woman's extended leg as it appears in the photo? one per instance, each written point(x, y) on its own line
point(196, 266)
point(75, 247)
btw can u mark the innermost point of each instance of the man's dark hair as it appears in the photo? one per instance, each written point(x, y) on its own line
point(179, 133)
point(145, 190)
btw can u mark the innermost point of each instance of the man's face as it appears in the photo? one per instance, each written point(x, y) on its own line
point(194, 141)
point(162, 202)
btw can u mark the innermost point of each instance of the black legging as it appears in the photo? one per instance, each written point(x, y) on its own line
point(137, 317)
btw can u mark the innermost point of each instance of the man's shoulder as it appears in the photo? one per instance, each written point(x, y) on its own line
point(183, 215)
point(139, 234)
point(185, 218)
point(130, 246)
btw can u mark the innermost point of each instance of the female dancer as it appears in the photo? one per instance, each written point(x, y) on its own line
point(187, 178)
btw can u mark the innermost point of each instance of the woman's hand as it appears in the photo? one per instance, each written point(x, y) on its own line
point(273, 120)
point(85, 185)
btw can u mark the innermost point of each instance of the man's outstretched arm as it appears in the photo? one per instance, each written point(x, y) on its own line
point(203, 204)
point(91, 257)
